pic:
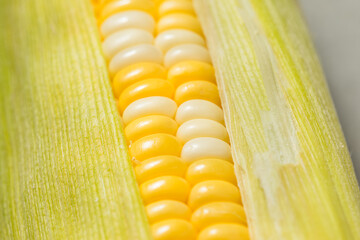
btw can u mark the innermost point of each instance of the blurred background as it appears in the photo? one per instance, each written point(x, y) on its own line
point(335, 29)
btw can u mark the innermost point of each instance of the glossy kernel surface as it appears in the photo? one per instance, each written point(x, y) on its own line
point(165, 188)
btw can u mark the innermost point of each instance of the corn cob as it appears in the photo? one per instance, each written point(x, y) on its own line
point(167, 95)
point(162, 81)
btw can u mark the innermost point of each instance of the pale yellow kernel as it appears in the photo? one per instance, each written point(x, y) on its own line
point(185, 52)
point(198, 89)
point(124, 5)
point(165, 165)
point(193, 109)
point(225, 231)
point(135, 54)
point(123, 39)
point(218, 212)
point(205, 147)
point(167, 209)
point(149, 106)
point(171, 38)
point(128, 19)
point(165, 188)
point(213, 191)
point(179, 21)
point(210, 169)
point(145, 88)
point(155, 145)
point(169, 7)
point(201, 128)
point(148, 125)
point(173, 229)
point(136, 72)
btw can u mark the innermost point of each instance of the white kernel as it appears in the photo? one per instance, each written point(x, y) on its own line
point(198, 108)
point(135, 54)
point(128, 19)
point(122, 39)
point(149, 106)
point(201, 128)
point(205, 147)
point(171, 38)
point(186, 52)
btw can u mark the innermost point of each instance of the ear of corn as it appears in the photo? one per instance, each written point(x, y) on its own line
point(293, 166)
point(65, 172)
point(169, 102)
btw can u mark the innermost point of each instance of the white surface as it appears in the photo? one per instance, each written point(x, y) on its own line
point(335, 29)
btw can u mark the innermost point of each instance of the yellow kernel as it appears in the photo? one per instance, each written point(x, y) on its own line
point(210, 169)
point(173, 229)
point(197, 108)
point(136, 72)
point(127, 19)
point(169, 7)
point(120, 6)
point(155, 145)
point(218, 212)
point(145, 88)
point(179, 20)
point(201, 128)
point(135, 54)
point(205, 147)
point(165, 165)
point(185, 52)
point(159, 2)
point(213, 191)
point(165, 188)
point(171, 38)
point(148, 125)
point(225, 231)
point(166, 209)
point(123, 39)
point(191, 70)
point(149, 106)
point(197, 90)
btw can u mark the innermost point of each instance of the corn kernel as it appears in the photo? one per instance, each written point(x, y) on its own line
point(171, 38)
point(149, 106)
point(179, 21)
point(201, 128)
point(218, 212)
point(165, 165)
point(173, 229)
point(191, 70)
point(145, 88)
point(185, 52)
point(205, 147)
point(225, 231)
point(166, 209)
point(127, 19)
point(165, 188)
point(197, 90)
point(148, 125)
point(120, 6)
point(123, 39)
point(135, 54)
point(136, 72)
point(213, 191)
point(155, 145)
point(210, 169)
point(169, 7)
point(193, 109)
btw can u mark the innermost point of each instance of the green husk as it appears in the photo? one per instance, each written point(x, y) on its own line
point(65, 172)
point(293, 166)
